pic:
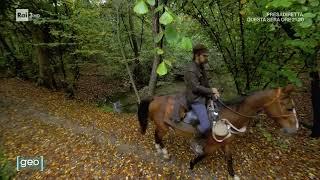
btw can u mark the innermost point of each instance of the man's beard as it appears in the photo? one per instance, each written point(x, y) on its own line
point(206, 65)
point(206, 62)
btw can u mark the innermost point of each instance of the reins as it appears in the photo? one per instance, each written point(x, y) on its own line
point(234, 110)
point(264, 106)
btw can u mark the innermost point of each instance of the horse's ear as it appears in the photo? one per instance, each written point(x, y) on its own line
point(288, 89)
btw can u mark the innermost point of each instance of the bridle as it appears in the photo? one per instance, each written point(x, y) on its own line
point(264, 106)
point(273, 101)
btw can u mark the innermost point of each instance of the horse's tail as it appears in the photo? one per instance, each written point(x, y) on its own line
point(143, 111)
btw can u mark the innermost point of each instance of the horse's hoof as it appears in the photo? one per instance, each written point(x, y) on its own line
point(158, 148)
point(166, 157)
point(235, 177)
point(165, 154)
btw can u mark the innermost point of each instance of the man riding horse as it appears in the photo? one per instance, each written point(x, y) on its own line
point(171, 112)
point(198, 92)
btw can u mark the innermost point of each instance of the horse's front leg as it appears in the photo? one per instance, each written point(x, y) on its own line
point(208, 149)
point(228, 157)
point(196, 160)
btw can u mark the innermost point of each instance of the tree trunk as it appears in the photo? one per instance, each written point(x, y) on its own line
point(125, 58)
point(157, 58)
point(41, 54)
point(315, 96)
point(60, 50)
point(17, 71)
point(245, 64)
point(137, 67)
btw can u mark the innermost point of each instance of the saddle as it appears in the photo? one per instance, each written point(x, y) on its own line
point(183, 112)
point(185, 119)
point(189, 121)
point(213, 114)
point(221, 128)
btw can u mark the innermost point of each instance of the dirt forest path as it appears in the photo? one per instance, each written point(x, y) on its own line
point(80, 140)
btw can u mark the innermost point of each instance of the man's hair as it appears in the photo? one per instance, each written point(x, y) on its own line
point(199, 49)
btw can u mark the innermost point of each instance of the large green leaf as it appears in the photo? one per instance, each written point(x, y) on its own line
point(306, 23)
point(151, 2)
point(168, 62)
point(162, 69)
point(186, 43)
point(309, 15)
point(281, 3)
point(158, 37)
point(159, 8)
point(301, 1)
point(141, 7)
point(314, 3)
point(159, 51)
point(304, 8)
point(166, 18)
point(171, 34)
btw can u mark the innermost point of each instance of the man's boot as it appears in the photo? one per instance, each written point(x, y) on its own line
point(197, 143)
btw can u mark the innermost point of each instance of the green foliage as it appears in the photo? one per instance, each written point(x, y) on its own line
point(159, 51)
point(7, 170)
point(107, 108)
point(307, 20)
point(291, 77)
point(162, 69)
point(151, 2)
point(267, 135)
point(158, 37)
point(166, 18)
point(141, 7)
point(171, 34)
point(307, 44)
point(281, 3)
point(263, 60)
point(168, 62)
point(314, 3)
point(306, 23)
point(283, 145)
point(186, 44)
point(159, 8)
point(276, 141)
point(301, 1)
point(83, 32)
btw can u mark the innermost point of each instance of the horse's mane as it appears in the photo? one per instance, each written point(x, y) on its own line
point(239, 100)
point(235, 101)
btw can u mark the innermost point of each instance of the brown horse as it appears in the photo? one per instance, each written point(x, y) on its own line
point(276, 103)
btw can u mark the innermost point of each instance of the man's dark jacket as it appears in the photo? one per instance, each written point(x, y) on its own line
point(197, 84)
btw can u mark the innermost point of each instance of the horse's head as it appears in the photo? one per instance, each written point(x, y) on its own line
point(281, 108)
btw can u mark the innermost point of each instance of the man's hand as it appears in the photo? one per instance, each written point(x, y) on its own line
point(216, 93)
